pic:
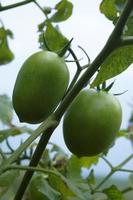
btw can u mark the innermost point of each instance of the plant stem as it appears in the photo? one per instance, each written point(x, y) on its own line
point(125, 170)
point(49, 122)
point(111, 44)
point(15, 5)
point(104, 180)
point(113, 170)
point(27, 168)
point(78, 71)
point(127, 190)
point(109, 164)
point(37, 4)
point(125, 161)
point(34, 162)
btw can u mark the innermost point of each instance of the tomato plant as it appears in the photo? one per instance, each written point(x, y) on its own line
point(91, 123)
point(42, 93)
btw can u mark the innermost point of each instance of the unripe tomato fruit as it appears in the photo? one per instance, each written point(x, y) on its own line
point(91, 122)
point(40, 85)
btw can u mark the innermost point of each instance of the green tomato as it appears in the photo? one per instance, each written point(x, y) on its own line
point(91, 122)
point(36, 190)
point(40, 85)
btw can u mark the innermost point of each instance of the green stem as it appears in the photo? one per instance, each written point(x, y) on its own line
point(127, 190)
point(27, 168)
point(37, 4)
point(109, 164)
point(113, 170)
point(125, 170)
point(78, 71)
point(124, 162)
point(49, 122)
point(75, 58)
point(34, 162)
point(15, 5)
point(104, 180)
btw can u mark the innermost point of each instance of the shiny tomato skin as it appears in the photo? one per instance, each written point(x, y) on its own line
point(91, 122)
point(40, 85)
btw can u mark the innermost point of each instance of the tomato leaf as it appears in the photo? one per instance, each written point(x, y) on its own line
point(6, 180)
point(113, 193)
point(6, 54)
point(63, 11)
point(39, 187)
point(112, 9)
point(75, 165)
point(13, 132)
point(6, 112)
point(54, 38)
point(116, 63)
point(73, 168)
point(108, 8)
point(87, 162)
point(58, 184)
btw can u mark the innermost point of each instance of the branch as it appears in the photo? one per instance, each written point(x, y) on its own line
point(34, 162)
point(124, 162)
point(3, 8)
point(126, 170)
point(127, 190)
point(49, 122)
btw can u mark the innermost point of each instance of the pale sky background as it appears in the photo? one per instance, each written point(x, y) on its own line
point(90, 29)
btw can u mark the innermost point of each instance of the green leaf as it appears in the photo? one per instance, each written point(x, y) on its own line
point(57, 149)
point(6, 112)
point(58, 184)
point(74, 168)
point(64, 11)
point(114, 64)
point(46, 160)
point(13, 132)
point(112, 10)
point(6, 180)
point(108, 8)
point(113, 193)
point(87, 162)
point(6, 54)
point(40, 188)
point(75, 165)
point(55, 41)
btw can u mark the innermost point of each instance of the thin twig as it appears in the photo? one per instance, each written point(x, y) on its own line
point(109, 164)
point(15, 5)
point(125, 161)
